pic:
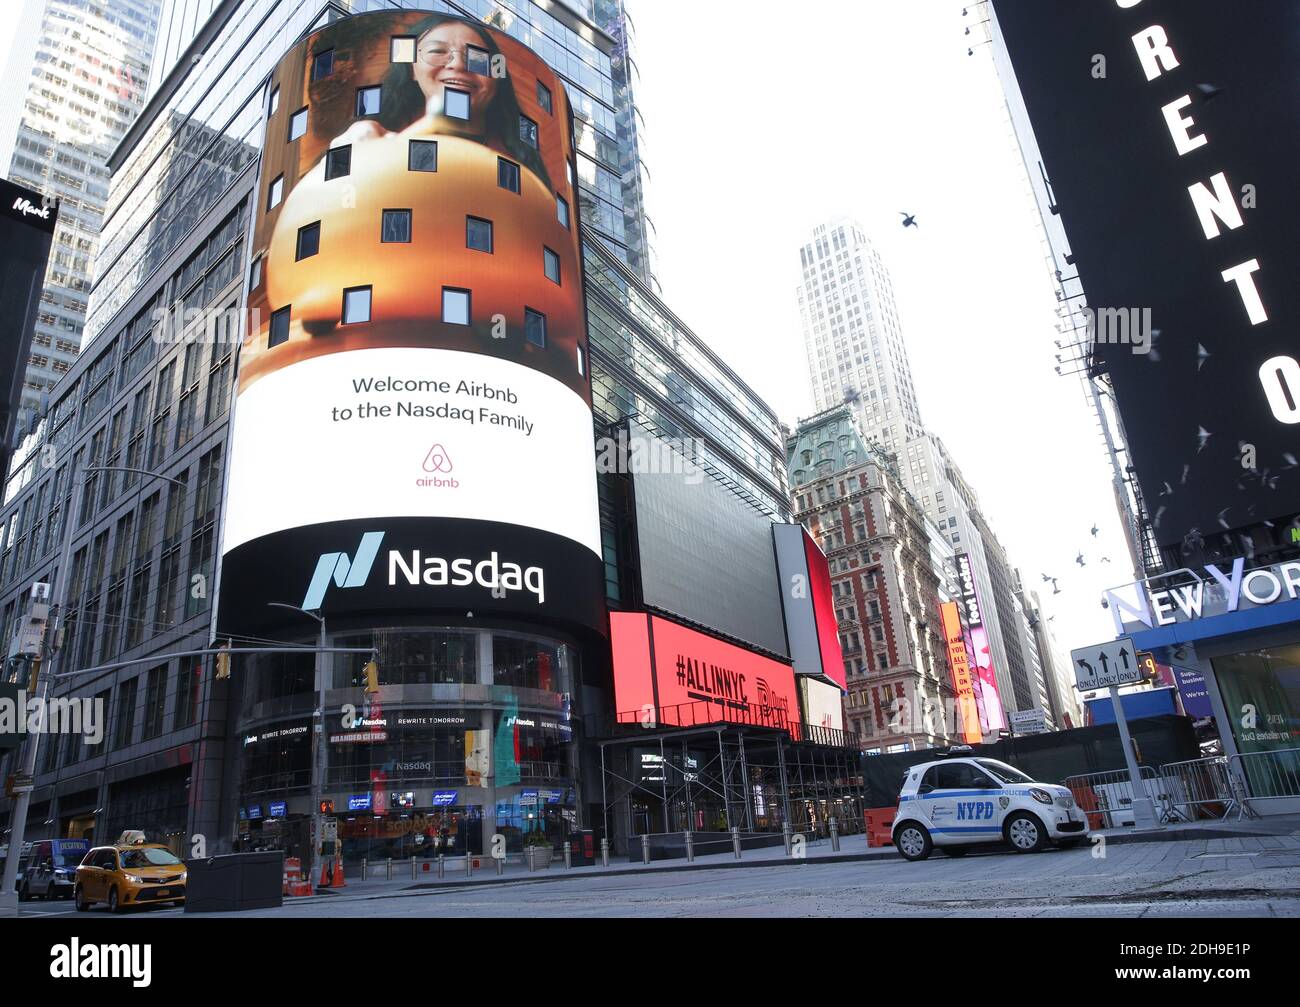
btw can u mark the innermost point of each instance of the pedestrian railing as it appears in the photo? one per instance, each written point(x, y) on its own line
point(1265, 776)
point(1199, 788)
point(1107, 797)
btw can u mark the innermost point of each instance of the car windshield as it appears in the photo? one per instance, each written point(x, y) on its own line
point(148, 857)
point(1003, 773)
point(68, 858)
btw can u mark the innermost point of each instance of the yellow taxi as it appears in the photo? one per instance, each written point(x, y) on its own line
point(131, 872)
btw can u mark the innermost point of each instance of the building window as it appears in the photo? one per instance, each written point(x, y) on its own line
point(356, 305)
point(279, 328)
point(322, 64)
point(582, 363)
point(478, 234)
point(401, 49)
point(507, 174)
point(298, 124)
point(274, 103)
point(528, 131)
point(338, 162)
point(455, 104)
point(562, 211)
point(455, 306)
point(477, 60)
point(308, 241)
point(275, 193)
point(422, 155)
point(255, 274)
point(534, 327)
point(368, 100)
point(544, 98)
point(550, 265)
point(395, 226)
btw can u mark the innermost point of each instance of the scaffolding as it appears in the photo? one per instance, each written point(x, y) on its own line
point(723, 776)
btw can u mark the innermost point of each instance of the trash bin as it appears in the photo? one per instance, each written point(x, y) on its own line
point(234, 883)
point(583, 846)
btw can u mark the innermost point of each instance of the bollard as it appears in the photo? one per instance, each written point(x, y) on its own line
point(568, 854)
point(365, 869)
point(501, 865)
point(787, 835)
point(412, 866)
point(441, 867)
point(388, 876)
point(645, 848)
point(532, 858)
point(835, 835)
point(735, 840)
point(690, 847)
point(469, 863)
point(604, 852)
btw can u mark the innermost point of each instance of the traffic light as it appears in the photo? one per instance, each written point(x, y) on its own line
point(223, 660)
point(372, 677)
point(327, 807)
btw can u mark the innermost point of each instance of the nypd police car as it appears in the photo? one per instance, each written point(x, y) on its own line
point(955, 803)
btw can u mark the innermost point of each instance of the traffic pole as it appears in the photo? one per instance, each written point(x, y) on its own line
point(1144, 816)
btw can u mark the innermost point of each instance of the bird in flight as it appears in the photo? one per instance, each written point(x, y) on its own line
point(909, 219)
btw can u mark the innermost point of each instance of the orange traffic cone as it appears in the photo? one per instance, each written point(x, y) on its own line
point(325, 874)
point(338, 881)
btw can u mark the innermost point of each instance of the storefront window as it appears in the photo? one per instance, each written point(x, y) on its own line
point(418, 748)
point(524, 663)
point(1261, 695)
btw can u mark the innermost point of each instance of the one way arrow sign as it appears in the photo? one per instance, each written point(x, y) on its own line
point(1105, 664)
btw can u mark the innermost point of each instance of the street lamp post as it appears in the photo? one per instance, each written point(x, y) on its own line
point(318, 738)
point(42, 678)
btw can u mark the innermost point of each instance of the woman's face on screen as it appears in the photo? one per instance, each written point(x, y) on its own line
point(442, 61)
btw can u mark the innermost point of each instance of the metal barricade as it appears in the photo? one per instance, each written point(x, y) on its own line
point(1107, 798)
point(1198, 788)
point(1268, 776)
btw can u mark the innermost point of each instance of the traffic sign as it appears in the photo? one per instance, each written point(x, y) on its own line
point(1104, 664)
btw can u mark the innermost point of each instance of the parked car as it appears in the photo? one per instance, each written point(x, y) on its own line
point(129, 874)
point(958, 802)
point(51, 868)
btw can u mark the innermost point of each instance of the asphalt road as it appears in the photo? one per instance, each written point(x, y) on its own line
point(1214, 878)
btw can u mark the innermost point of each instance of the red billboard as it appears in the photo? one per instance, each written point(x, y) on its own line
point(668, 675)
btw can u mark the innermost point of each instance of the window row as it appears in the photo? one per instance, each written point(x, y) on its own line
point(456, 310)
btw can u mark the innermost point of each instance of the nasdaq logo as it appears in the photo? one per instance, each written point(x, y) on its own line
point(343, 571)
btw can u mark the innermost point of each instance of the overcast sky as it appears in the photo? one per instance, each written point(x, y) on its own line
point(759, 124)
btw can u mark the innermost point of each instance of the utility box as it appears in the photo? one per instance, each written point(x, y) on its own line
point(235, 883)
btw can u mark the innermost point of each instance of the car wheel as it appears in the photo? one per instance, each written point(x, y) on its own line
point(1025, 833)
point(954, 851)
point(113, 905)
point(25, 893)
point(79, 897)
point(913, 841)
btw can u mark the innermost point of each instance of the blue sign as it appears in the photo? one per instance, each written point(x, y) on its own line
point(359, 802)
point(1195, 693)
point(552, 796)
point(243, 814)
point(278, 809)
point(444, 798)
point(528, 798)
point(254, 812)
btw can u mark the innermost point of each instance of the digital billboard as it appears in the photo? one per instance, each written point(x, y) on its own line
point(823, 704)
point(978, 647)
point(810, 621)
point(27, 223)
point(1168, 135)
point(705, 555)
point(412, 426)
point(666, 674)
point(959, 667)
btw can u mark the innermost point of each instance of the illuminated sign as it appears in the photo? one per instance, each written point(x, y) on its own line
point(416, 342)
point(677, 676)
point(444, 798)
point(1153, 603)
point(978, 647)
point(278, 809)
point(810, 621)
point(962, 677)
point(359, 802)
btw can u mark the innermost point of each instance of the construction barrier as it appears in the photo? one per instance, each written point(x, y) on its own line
point(879, 825)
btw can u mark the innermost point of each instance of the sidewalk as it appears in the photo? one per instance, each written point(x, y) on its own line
point(852, 848)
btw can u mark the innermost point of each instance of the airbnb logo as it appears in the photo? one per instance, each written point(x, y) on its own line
point(437, 460)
